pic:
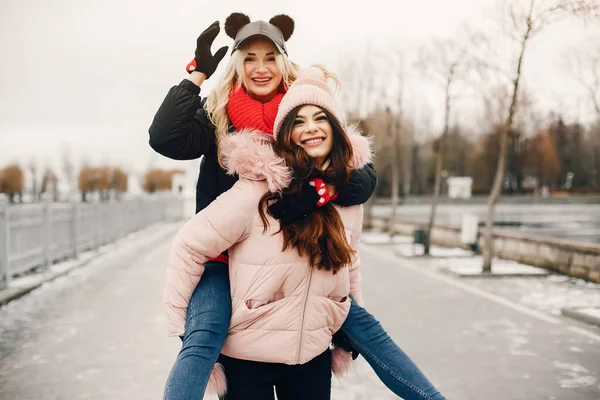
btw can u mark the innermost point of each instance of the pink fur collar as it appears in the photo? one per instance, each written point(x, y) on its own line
point(361, 147)
point(249, 154)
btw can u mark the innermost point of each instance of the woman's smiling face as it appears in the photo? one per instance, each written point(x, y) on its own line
point(313, 132)
point(262, 76)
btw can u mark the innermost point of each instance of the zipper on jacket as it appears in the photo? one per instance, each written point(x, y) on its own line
point(304, 313)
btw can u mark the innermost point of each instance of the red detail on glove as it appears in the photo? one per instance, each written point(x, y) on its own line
point(322, 191)
point(191, 66)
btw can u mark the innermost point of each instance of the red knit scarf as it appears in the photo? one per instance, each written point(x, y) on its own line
point(249, 113)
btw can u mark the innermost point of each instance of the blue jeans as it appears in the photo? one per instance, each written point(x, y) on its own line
point(206, 328)
point(206, 325)
point(395, 369)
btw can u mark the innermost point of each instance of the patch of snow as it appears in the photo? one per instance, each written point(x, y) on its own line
point(383, 238)
point(500, 330)
point(409, 250)
point(577, 375)
point(577, 382)
point(575, 349)
point(54, 270)
point(553, 296)
point(570, 367)
point(591, 311)
point(473, 265)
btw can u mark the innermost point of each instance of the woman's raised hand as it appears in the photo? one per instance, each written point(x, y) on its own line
point(204, 61)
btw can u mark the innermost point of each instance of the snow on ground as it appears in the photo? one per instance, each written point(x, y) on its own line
point(574, 375)
point(410, 250)
point(19, 312)
point(383, 238)
point(472, 266)
point(591, 311)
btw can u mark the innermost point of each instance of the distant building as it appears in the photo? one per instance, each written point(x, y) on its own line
point(459, 187)
point(134, 187)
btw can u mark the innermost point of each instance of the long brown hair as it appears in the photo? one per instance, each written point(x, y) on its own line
point(320, 235)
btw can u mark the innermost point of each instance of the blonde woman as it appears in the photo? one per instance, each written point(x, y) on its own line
point(186, 127)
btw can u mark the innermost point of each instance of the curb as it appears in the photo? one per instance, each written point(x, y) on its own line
point(574, 313)
point(490, 275)
point(424, 257)
point(12, 293)
point(447, 271)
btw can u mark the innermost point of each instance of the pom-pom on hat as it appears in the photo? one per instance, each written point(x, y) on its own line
point(278, 30)
point(310, 87)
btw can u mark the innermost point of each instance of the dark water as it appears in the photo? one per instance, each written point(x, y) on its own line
point(575, 222)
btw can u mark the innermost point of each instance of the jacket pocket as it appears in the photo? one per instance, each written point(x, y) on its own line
point(338, 299)
point(338, 308)
point(251, 313)
point(253, 304)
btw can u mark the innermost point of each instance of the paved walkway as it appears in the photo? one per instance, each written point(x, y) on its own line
point(99, 333)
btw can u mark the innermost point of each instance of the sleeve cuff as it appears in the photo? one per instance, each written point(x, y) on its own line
point(190, 86)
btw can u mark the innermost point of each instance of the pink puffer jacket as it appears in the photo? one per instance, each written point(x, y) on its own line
point(283, 310)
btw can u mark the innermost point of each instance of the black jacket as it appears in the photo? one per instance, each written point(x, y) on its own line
point(181, 130)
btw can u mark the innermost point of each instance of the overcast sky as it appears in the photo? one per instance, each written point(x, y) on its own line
point(88, 76)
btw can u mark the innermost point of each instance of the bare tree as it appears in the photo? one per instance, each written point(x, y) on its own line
point(446, 62)
point(583, 64)
point(68, 169)
point(395, 129)
point(361, 94)
point(49, 184)
point(521, 24)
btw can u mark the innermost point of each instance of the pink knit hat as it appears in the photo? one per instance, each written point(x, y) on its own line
point(309, 88)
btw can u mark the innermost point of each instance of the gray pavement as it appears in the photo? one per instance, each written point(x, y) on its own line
point(99, 333)
point(474, 344)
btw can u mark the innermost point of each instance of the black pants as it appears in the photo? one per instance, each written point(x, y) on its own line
point(252, 380)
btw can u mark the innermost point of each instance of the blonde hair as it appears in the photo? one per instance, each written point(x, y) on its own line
point(216, 104)
point(330, 75)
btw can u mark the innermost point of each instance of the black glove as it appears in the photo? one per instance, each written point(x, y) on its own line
point(204, 61)
point(294, 207)
point(340, 339)
point(360, 186)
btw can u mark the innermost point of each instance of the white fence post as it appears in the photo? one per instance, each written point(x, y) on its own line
point(33, 227)
point(76, 228)
point(5, 245)
point(47, 229)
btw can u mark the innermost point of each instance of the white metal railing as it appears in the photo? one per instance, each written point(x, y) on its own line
point(38, 235)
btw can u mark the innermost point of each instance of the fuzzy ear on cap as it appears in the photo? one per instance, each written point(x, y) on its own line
point(285, 25)
point(234, 23)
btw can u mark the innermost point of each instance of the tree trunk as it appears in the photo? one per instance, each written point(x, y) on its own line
point(436, 196)
point(439, 158)
point(597, 165)
point(368, 213)
point(395, 176)
point(396, 131)
point(488, 250)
